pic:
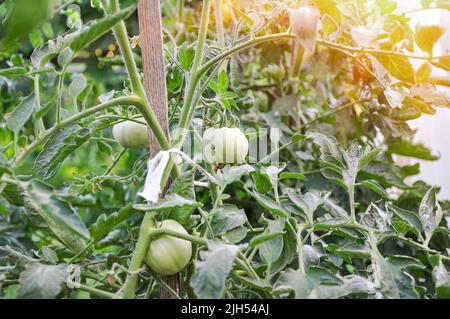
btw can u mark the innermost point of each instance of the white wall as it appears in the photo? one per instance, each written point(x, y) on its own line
point(433, 130)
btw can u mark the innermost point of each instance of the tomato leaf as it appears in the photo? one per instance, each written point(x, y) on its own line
point(105, 223)
point(64, 142)
point(308, 202)
point(213, 269)
point(430, 213)
point(226, 218)
point(377, 188)
point(398, 66)
point(57, 214)
point(405, 147)
point(427, 36)
point(13, 72)
point(21, 114)
point(271, 205)
point(39, 281)
point(91, 32)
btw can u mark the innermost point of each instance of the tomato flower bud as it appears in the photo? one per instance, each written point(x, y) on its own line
point(363, 36)
point(305, 23)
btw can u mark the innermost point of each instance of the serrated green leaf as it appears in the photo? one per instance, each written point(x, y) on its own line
point(21, 114)
point(262, 238)
point(91, 32)
point(407, 216)
point(271, 205)
point(13, 72)
point(270, 250)
point(291, 175)
point(57, 214)
point(106, 223)
point(64, 142)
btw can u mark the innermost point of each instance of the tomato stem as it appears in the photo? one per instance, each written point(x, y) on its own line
point(139, 253)
point(120, 32)
point(123, 100)
point(187, 110)
point(96, 292)
point(155, 232)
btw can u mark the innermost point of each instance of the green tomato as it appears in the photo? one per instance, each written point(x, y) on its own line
point(166, 254)
point(130, 134)
point(224, 145)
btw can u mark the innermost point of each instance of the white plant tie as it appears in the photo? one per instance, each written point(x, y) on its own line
point(156, 167)
point(155, 172)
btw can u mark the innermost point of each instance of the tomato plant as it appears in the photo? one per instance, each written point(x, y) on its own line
point(278, 172)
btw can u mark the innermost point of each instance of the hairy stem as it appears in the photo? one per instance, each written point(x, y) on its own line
point(187, 110)
point(125, 100)
point(301, 264)
point(289, 36)
point(96, 292)
point(351, 195)
point(139, 252)
point(156, 232)
point(37, 103)
point(59, 89)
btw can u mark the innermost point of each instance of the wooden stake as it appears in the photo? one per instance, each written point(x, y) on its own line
point(152, 49)
point(151, 40)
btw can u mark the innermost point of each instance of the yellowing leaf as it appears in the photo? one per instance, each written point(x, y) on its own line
point(398, 66)
point(422, 105)
point(443, 63)
point(424, 72)
point(406, 113)
point(427, 36)
point(397, 32)
point(329, 25)
point(329, 7)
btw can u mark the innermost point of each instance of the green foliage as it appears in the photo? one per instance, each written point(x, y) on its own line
point(334, 216)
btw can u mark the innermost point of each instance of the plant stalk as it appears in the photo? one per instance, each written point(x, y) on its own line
point(139, 253)
point(125, 100)
point(156, 232)
point(187, 110)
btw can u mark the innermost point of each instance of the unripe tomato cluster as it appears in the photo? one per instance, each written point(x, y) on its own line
point(168, 255)
point(221, 145)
